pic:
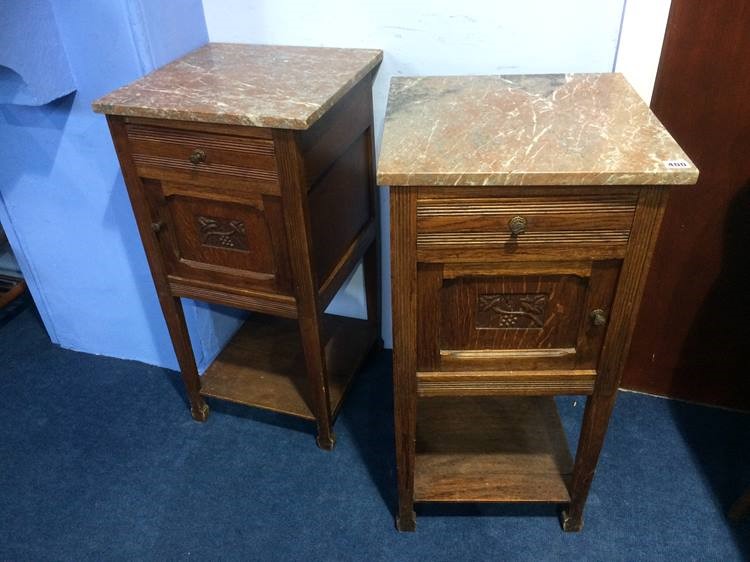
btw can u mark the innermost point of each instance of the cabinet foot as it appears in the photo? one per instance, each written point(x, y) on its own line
point(406, 523)
point(199, 411)
point(326, 443)
point(569, 523)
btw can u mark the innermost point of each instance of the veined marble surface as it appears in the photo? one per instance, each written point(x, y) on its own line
point(551, 129)
point(258, 85)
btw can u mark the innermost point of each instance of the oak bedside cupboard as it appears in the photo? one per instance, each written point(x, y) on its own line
point(524, 212)
point(250, 172)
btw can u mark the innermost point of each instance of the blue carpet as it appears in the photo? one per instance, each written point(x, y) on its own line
point(100, 460)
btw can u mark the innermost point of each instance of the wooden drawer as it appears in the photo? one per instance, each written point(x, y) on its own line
point(221, 160)
point(547, 226)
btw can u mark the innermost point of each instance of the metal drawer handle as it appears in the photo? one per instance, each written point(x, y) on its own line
point(598, 317)
point(197, 156)
point(157, 226)
point(517, 225)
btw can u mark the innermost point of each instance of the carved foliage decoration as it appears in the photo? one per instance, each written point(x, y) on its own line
point(222, 233)
point(512, 311)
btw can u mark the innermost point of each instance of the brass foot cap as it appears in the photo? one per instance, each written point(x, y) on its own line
point(199, 413)
point(407, 523)
point(327, 444)
point(570, 524)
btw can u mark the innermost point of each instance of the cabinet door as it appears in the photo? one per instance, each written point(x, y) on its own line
point(224, 242)
point(513, 317)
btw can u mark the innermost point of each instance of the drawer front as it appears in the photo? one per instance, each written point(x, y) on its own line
point(223, 160)
point(501, 317)
point(214, 242)
point(471, 228)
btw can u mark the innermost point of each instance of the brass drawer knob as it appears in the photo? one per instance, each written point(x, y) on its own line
point(197, 156)
point(598, 317)
point(517, 225)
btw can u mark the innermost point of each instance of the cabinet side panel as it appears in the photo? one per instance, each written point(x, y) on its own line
point(339, 207)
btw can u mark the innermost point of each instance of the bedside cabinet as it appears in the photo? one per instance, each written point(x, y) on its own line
point(524, 212)
point(250, 171)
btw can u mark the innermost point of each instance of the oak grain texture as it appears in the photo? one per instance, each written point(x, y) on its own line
point(268, 303)
point(499, 383)
point(404, 306)
point(163, 153)
point(264, 365)
point(497, 449)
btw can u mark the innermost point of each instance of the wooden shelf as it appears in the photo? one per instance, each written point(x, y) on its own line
point(491, 449)
point(263, 365)
point(10, 289)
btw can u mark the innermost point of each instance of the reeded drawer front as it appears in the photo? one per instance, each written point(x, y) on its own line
point(465, 228)
point(174, 154)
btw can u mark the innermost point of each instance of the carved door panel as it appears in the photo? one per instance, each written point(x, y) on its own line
point(222, 242)
point(489, 317)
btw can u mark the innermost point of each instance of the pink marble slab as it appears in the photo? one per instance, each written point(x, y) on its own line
point(556, 129)
point(257, 85)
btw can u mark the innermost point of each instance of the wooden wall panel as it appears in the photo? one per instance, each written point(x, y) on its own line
point(692, 340)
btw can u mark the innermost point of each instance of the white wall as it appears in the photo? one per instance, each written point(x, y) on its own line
point(642, 36)
point(422, 37)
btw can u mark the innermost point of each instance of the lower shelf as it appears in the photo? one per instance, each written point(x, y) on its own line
point(263, 365)
point(10, 289)
point(491, 449)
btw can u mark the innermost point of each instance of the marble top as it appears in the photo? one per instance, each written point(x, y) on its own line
point(258, 85)
point(552, 129)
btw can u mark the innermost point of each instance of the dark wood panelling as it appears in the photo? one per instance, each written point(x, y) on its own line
point(692, 334)
point(223, 242)
point(345, 265)
point(331, 136)
point(344, 186)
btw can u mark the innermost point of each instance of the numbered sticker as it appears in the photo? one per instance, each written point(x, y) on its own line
point(677, 164)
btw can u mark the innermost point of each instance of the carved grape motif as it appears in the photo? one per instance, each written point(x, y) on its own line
point(512, 311)
point(222, 233)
